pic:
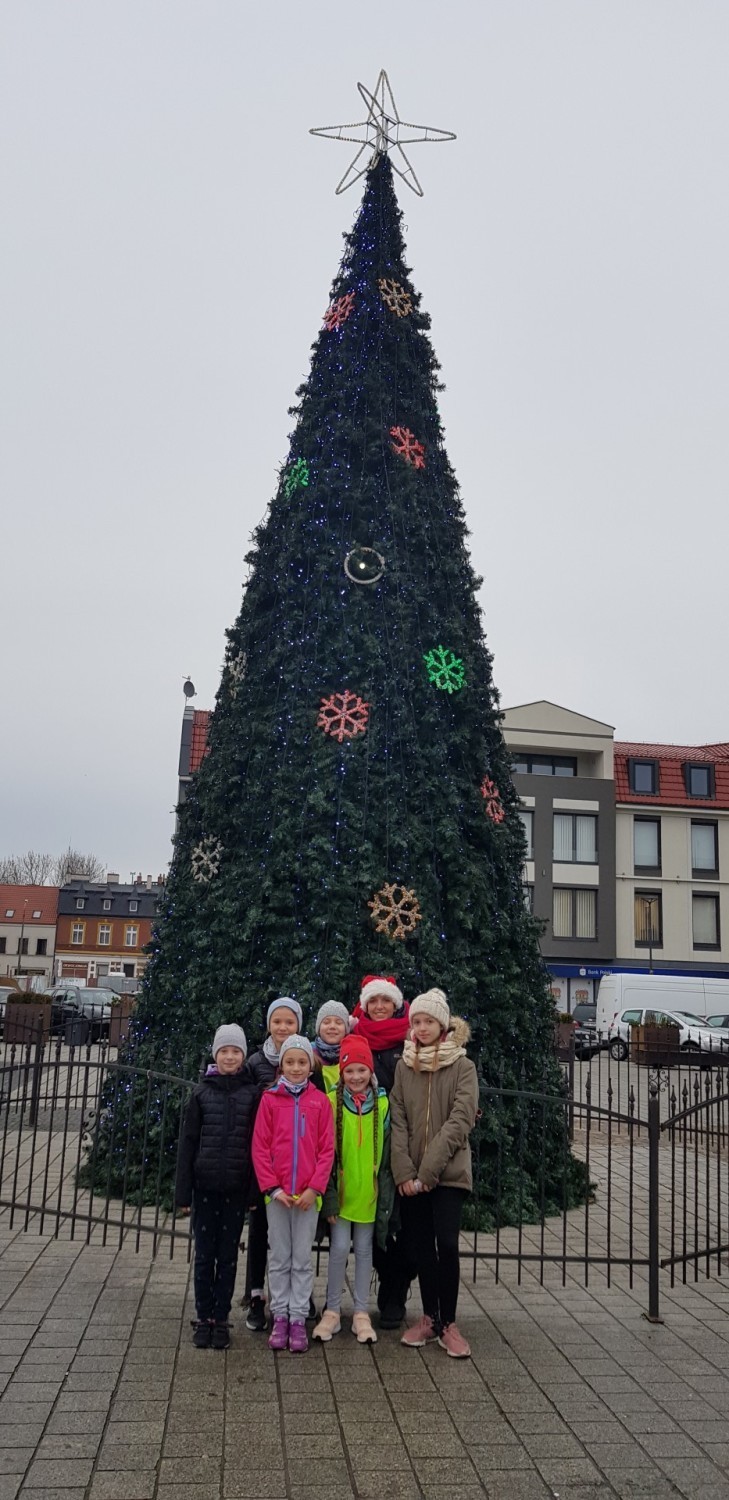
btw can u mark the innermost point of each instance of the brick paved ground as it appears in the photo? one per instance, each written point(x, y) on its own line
point(570, 1391)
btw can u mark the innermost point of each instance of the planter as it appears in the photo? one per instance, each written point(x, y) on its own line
point(564, 1040)
point(655, 1046)
point(26, 1021)
point(121, 1015)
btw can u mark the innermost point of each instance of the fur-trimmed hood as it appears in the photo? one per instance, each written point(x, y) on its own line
point(460, 1030)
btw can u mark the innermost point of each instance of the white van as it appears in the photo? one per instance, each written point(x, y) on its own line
point(685, 992)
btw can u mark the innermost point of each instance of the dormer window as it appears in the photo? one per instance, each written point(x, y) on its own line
point(644, 779)
point(10, 911)
point(107, 906)
point(36, 913)
point(133, 905)
point(699, 779)
point(80, 903)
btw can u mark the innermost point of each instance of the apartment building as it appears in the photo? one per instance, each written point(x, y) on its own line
point(104, 927)
point(28, 931)
point(563, 772)
point(672, 857)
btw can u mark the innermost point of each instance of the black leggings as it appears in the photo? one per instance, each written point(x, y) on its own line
point(217, 1222)
point(257, 1244)
point(432, 1223)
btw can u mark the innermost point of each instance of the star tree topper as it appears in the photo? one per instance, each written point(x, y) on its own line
point(382, 133)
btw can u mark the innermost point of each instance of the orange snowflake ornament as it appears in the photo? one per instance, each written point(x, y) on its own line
point(492, 796)
point(406, 445)
point(395, 911)
point(339, 311)
point(343, 715)
point(395, 297)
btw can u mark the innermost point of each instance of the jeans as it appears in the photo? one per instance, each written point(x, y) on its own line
point(341, 1235)
point(217, 1225)
point(432, 1224)
point(290, 1266)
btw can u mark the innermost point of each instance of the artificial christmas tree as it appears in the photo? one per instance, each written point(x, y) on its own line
point(355, 811)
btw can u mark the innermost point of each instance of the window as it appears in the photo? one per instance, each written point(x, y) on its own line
point(106, 905)
point(80, 903)
point(10, 912)
point(643, 776)
point(545, 765)
point(647, 845)
point(529, 897)
point(77, 932)
point(575, 838)
point(574, 913)
point(104, 935)
point(131, 934)
point(527, 819)
point(134, 906)
point(648, 918)
point(704, 849)
point(41, 947)
point(705, 921)
point(23, 945)
point(699, 780)
point(3, 944)
point(36, 913)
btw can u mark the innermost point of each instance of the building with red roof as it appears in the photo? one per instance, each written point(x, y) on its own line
point(28, 916)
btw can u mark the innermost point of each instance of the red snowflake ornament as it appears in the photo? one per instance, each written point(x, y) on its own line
point(494, 806)
point(339, 311)
point(343, 716)
point(406, 445)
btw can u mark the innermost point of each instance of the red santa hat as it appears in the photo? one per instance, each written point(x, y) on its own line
point(379, 984)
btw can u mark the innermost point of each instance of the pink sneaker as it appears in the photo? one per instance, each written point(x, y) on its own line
point(454, 1343)
point(298, 1341)
point(421, 1333)
point(280, 1335)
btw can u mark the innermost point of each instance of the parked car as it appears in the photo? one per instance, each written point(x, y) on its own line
point(7, 992)
point(694, 1034)
point(584, 1020)
point(721, 1021)
point(75, 1002)
point(688, 993)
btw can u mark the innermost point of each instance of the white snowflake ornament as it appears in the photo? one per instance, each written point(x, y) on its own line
point(205, 860)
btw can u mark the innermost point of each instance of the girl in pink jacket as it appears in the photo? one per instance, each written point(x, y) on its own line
point(293, 1151)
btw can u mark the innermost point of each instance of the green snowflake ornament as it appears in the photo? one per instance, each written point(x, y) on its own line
point(297, 477)
point(445, 669)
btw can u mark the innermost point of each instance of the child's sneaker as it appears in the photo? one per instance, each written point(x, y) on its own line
point(328, 1325)
point(221, 1336)
point(453, 1342)
point(256, 1319)
point(362, 1329)
point(280, 1336)
point(202, 1333)
point(298, 1341)
point(422, 1332)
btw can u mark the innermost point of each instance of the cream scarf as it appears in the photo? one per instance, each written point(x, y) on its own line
point(430, 1059)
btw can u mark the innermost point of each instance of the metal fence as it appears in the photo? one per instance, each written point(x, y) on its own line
point(651, 1138)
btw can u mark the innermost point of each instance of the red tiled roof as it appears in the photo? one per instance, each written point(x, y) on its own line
point(199, 744)
point(25, 899)
point(672, 787)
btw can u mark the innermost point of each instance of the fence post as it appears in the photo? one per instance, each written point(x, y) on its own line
point(35, 1086)
point(654, 1254)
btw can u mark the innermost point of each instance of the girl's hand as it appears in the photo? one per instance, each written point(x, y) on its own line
point(408, 1189)
point(307, 1199)
point(182, 1210)
point(284, 1199)
point(332, 1218)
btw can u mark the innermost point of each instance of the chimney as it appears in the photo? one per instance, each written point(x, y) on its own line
point(112, 877)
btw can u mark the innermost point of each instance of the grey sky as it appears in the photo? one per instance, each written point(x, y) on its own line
point(170, 232)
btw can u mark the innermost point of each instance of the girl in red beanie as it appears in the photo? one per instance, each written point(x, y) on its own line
point(361, 1189)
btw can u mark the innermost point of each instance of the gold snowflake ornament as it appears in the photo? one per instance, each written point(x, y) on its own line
point(395, 911)
point(395, 297)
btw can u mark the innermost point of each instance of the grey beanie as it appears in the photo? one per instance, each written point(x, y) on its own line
point(333, 1008)
point(292, 1005)
point(229, 1036)
point(297, 1044)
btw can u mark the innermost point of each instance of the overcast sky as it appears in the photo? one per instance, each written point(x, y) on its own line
point(170, 231)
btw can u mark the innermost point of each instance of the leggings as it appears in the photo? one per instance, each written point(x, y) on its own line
point(217, 1223)
point(257, 1245)
point(341, 1233)
point(432, 1222)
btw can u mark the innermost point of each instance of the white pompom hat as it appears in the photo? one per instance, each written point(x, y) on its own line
point(432, 1003)
point(379, 984)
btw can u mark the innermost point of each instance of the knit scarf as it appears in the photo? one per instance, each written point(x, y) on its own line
point(430, 1059)
point(381, 1035)
point(294, 1088)
point(327, 1052)
point(271, 1051)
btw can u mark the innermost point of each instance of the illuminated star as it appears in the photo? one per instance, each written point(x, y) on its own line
point(382, 133)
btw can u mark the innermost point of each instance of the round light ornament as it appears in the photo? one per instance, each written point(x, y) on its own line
point(364, 565)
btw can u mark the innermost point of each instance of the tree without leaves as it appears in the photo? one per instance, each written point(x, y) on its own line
point(72, 862)
point(31, 868)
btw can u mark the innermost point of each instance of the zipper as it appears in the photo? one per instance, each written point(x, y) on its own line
point(427, 1115)
point(296, 1143)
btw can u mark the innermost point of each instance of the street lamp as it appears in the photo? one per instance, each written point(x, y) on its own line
point(648, 904)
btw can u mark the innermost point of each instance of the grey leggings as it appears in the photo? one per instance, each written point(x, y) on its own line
point(340, 1234)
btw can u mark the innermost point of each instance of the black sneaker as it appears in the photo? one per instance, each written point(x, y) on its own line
point(312, 1314)
point(391, 1314)
point(202, 1334)
point(257, 1318)
point(221, 1336)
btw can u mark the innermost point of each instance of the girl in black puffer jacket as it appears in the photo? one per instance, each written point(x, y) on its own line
point(214, 1171)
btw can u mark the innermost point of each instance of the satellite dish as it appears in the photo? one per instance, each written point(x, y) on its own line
point(189, 688)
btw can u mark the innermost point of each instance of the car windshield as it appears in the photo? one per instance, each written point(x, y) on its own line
point(686, 1015)
point(719, 1021)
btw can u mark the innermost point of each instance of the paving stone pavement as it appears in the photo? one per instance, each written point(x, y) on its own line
point(570, 1392)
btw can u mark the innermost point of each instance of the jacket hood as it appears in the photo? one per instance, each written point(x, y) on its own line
point(460, 1031)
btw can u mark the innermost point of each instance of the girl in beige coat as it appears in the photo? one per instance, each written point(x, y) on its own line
point(433, 1105)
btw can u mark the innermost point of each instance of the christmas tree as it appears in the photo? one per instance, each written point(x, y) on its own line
point(355, 811)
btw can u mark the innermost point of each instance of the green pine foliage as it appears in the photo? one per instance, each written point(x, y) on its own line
point(304, 830)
